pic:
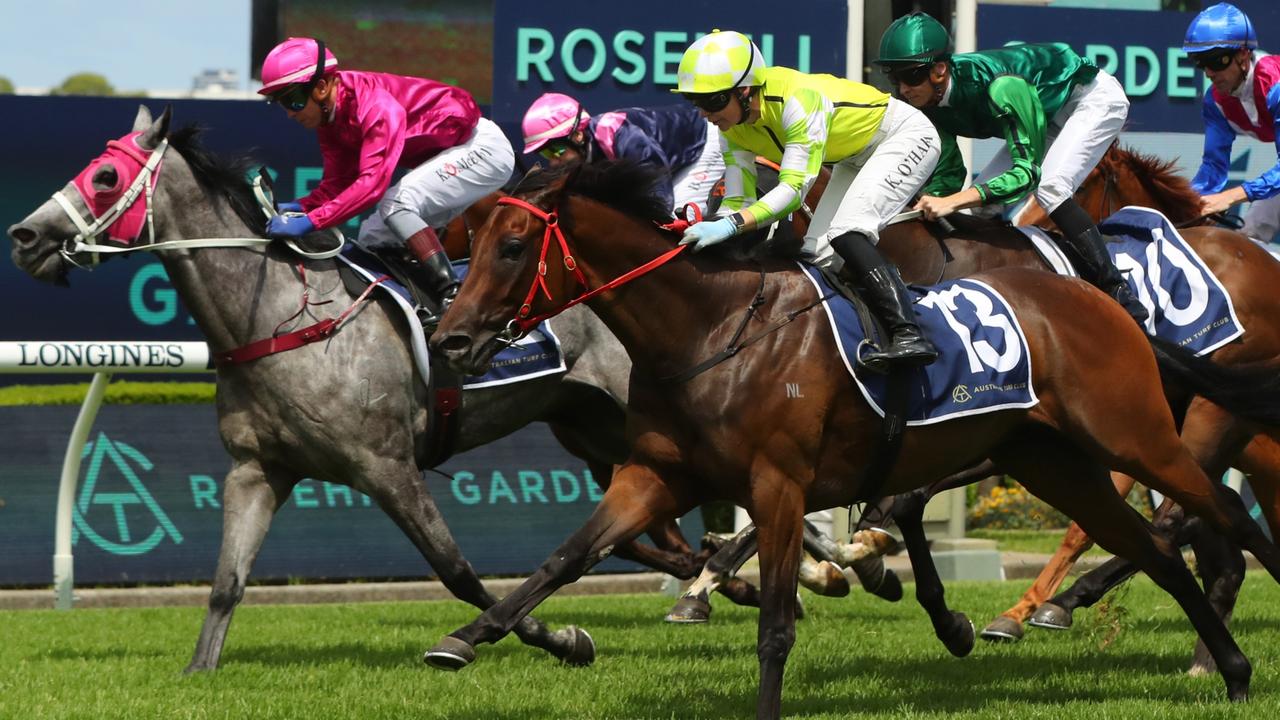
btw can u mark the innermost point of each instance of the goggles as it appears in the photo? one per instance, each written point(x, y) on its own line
point(1214, 60)
point(553, 151)
point(909, 76)
point(711, 102)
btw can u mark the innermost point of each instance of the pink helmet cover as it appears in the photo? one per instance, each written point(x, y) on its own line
point(550, 117)
point(292, 61)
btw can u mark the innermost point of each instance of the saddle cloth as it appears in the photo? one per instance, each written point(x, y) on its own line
point(984, 364)
point(1185, 302)
point(535, 355)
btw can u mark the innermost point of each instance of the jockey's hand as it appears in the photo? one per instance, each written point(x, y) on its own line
point(708, 232)
point(285, 207)
point(936, 207)
point(289, 226)
point(1222, 201)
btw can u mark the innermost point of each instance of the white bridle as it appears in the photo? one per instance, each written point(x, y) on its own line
point(85, 240)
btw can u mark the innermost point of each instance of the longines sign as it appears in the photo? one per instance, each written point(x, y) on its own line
point(89, 356)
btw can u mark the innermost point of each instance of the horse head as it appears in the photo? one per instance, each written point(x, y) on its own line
point(1125, 177)
point(106, 203)
point(511, 277)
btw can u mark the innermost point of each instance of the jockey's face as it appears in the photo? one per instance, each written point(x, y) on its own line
point(313, 113)
point(927, 89)
point(1228, 79)
point(559, 152)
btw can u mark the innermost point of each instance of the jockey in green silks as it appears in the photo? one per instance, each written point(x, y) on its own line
point(1057, 112)
point(883, 152)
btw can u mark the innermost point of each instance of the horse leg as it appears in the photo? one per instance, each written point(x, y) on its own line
point(780, 540)
point(1060, 474)
point(694, 606)
point(399, 491)
point(952, 628)
point(250, 498)
point(1008, 627)
point(865, 559)
point(636, 497)
point(1260, 462)
point(823, 577)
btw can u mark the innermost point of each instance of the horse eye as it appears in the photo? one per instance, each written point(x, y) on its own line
point(105, 179)
point(511, 249)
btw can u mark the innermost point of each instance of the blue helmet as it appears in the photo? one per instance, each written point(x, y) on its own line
point(1221, 26)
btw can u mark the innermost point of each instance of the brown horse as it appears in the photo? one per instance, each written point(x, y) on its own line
point(731, 432)
point(1249, 274)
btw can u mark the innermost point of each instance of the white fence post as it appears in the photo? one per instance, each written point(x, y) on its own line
point(102, 358)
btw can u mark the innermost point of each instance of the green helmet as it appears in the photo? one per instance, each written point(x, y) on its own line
point(914, 39)
point(720, 61)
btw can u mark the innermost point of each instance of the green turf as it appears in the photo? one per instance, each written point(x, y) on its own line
point(1030, 541)
point(854, 656)
point(119, 392)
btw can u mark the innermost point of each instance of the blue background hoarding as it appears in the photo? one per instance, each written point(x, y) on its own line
point(614, 55)
point(149, 505)
point(1142, 49)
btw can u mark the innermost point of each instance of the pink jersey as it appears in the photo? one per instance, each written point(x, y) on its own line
point(381, 122)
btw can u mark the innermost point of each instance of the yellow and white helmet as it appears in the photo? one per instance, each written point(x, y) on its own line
point(723, 60)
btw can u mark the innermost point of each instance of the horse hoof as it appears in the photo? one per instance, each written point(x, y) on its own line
point(1199, 670)
point(960, 641)
point(1051, 617)
point(194, 668)
point(689, 610)
point(800, 612)
point(584, 648)
point(877, 579)
point(824, 578)
point(1003, 629)
point(450, 654)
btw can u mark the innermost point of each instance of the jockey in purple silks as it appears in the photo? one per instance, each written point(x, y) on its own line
point(675, 138)
point(1244, 100)
point(368, 125)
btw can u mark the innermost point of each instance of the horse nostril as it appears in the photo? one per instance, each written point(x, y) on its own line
point(453, 343)
point(23, 235)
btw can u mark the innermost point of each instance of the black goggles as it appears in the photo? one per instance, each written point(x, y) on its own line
point(909, 76)
point(295, 97)
point(1215, 61)
point(711, 102)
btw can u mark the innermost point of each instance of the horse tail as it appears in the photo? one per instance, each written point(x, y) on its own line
point(1250, 393)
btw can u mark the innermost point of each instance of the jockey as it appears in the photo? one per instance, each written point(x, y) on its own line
point(675, 138)
point(1057, 112)
point(883, 149)
point(371, 123)
point(1245, 100)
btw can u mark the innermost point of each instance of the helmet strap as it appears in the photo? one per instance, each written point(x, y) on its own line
point(744, 102)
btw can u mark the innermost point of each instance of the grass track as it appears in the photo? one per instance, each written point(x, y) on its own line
point(854, 656)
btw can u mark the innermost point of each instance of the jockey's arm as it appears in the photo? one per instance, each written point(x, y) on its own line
point(806, 118)
point(636, 145)
point(739, 180)
point(383, 129)
point(948, 177)
point(1214, 166)
point(1017, 107)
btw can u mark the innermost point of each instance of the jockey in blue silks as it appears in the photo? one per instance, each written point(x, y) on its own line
point(1244, 100)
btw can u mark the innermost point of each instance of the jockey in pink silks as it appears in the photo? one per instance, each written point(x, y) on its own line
point(677, 139)
point(369, 124)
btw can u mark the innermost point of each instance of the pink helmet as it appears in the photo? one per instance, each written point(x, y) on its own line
point(293, 61)
point(549, 117)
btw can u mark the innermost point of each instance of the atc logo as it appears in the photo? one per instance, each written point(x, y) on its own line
point(112, 481)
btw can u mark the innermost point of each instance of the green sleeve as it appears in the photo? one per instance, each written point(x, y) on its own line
point(948, 178)
point(1018, 110)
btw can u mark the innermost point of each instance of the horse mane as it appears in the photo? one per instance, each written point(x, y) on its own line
point(218, 177)
point(624, 185)
point(1170, 190)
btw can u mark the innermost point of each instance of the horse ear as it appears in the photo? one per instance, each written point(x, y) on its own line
point(143, 120)
point(551, 195)
point(152, 135)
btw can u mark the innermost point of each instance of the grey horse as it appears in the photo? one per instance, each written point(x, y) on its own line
point(348, 410)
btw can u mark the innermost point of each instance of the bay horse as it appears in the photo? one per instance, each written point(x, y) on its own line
point(732, 432)
point(1124, 177)
point(350, 410)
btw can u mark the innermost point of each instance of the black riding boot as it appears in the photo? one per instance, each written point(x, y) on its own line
point(882, 289)
point(434, 274)
point(1084, 237)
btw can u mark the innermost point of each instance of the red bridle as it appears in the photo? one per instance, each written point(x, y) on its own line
point(522, 323)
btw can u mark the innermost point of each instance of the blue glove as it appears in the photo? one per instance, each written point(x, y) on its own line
point(289, 226)
point(708, 233)
point(290, 207)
